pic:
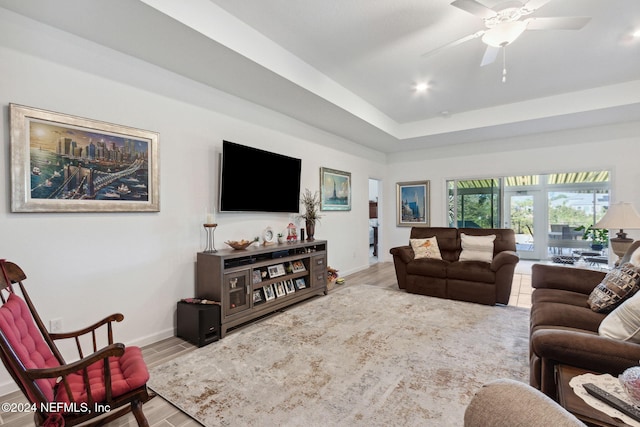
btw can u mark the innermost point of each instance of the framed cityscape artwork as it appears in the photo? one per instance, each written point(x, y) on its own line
point(335, 190)
point(413, 204)
point(64, 163)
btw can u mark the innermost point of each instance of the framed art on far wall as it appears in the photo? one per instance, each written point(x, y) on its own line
point(64, 163)
point(335, 190)
point(412, 204)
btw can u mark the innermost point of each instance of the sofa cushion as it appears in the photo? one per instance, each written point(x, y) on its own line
point(618, 285)
point(425, 248)
point(477, 248)
point(543, 295)
point(557, 314)
point(472, 271)
point(428, 267)
point(623, 323)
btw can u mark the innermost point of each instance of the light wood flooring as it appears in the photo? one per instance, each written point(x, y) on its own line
point(161, 413)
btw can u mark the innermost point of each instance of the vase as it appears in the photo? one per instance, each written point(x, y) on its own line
point(311, 228)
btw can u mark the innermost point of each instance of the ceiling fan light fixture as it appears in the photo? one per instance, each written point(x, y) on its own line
point(421, 87)
point(504, 33)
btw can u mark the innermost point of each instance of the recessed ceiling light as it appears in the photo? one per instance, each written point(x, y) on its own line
point(636, 33)
point(422, 87)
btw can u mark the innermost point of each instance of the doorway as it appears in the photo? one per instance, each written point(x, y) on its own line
point(374, 220)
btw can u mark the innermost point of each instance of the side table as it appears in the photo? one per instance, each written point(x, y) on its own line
point(574, 404)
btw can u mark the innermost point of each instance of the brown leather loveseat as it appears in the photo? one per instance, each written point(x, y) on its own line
point(467, 280)
point(565, 330)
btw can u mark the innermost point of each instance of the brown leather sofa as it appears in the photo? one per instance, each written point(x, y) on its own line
point(474, 281)
point(564, 329)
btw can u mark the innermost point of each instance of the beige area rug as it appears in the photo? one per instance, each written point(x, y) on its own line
point(361, 356)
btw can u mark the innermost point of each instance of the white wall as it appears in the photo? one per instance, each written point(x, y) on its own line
point(614, 148)
point(83, 266)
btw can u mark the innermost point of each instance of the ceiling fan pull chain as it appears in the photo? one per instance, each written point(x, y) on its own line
point(504, 64)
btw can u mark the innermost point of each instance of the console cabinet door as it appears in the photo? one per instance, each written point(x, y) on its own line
point(236, 288)
point(318, 275)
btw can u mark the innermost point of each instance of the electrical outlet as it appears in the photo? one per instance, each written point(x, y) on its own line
point(55, 325)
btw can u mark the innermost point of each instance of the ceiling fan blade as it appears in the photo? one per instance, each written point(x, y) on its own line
point(490, 55)
point(532, 5)
point(453, 43)
point(474, 8)
point(557, 23)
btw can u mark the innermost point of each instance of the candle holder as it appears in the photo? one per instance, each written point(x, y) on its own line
point(211, 247)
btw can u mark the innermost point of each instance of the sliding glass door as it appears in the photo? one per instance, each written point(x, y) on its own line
point(523, 208)
point(543, 210)
point(475, 203)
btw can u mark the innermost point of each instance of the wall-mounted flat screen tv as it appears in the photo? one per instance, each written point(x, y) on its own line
point(254, 180)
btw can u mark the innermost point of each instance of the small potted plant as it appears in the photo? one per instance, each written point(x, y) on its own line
point(311, 203)
point(599, 236)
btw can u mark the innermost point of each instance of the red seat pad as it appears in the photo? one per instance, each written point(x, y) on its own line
point(25, 339)
point(128, 372)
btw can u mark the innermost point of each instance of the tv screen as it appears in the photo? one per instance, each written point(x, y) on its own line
point(253, 180)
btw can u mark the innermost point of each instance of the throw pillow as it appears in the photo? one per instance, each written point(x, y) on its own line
point(623, 323)
point(477, 248)
point(426, 248)
point(635, 258)
point(618, 285)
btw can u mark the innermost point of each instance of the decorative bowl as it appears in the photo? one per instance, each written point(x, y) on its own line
point(239, 244)
point(630, 380)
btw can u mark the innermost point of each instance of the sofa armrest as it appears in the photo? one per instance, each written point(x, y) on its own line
point(566, 278)
point(405, 253)
point(508, 403)
point(504, 258)
point(585, 350)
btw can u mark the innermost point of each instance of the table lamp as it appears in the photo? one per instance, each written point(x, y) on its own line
point(619, 216)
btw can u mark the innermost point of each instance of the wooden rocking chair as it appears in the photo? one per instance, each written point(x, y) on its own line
point(95, 389)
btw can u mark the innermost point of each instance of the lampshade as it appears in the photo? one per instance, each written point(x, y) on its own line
point(504, 33)
point(620, 215)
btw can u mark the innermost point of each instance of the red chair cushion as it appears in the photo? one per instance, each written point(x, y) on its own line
point(128, 372)
point(18, 326)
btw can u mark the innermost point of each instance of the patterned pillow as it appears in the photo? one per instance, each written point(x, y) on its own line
point(425, 248)
point(477, 248)
point(618, 285)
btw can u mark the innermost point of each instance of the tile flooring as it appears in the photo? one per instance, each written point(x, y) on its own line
point(161, 413)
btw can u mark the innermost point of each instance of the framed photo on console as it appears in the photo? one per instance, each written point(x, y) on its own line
point(412, 204)
point(280, 291)
point(289, 286)
point(257, 297)
point(276, 270)
point(257, 276)
point(269, 294)
point(297, 266)
point(300, 283)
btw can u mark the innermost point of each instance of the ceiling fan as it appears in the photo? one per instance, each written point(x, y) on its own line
point(504, 24)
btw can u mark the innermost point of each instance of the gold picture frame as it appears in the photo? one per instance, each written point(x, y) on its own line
point(65, 163)
point(412, 204)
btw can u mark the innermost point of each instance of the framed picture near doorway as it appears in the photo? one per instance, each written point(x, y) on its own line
point(335, 190)
point(412, 204)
